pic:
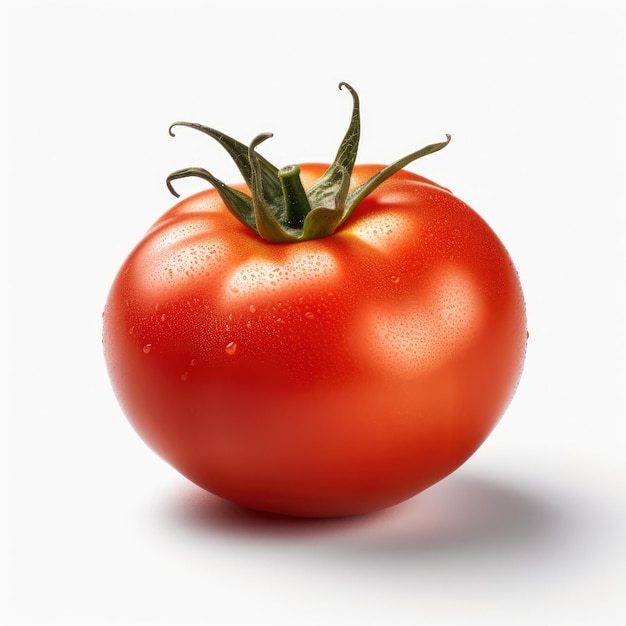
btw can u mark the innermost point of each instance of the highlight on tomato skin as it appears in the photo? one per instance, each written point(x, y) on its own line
point(316, 348)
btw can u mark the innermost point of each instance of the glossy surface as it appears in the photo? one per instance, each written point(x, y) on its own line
point(328, 377)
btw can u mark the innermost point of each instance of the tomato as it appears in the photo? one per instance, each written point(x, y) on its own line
point(322, 376)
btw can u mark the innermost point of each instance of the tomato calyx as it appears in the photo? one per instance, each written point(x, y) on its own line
point(279, 209)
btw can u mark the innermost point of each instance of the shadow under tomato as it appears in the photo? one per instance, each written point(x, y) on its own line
point(460, 512)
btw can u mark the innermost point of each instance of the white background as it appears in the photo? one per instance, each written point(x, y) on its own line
point(96, 528)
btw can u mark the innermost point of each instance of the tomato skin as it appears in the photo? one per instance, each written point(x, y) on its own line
point(329, 377)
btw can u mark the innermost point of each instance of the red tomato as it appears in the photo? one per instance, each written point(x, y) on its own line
point(327, 377)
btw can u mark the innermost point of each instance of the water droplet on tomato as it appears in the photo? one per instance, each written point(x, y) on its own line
point(309, 315)
point(163, 317)
point(184, 376)
point(131, 330)
point(147, 348)
point(252, 308)
point(395, 279)
point(231, 348)
point(192, 362)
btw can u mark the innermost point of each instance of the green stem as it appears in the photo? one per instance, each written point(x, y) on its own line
point(267, 218)
point(297, 205)
point(332, 188)
point(239, 154)
point(279, 209)
point(237, 202)
point(379, 178)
